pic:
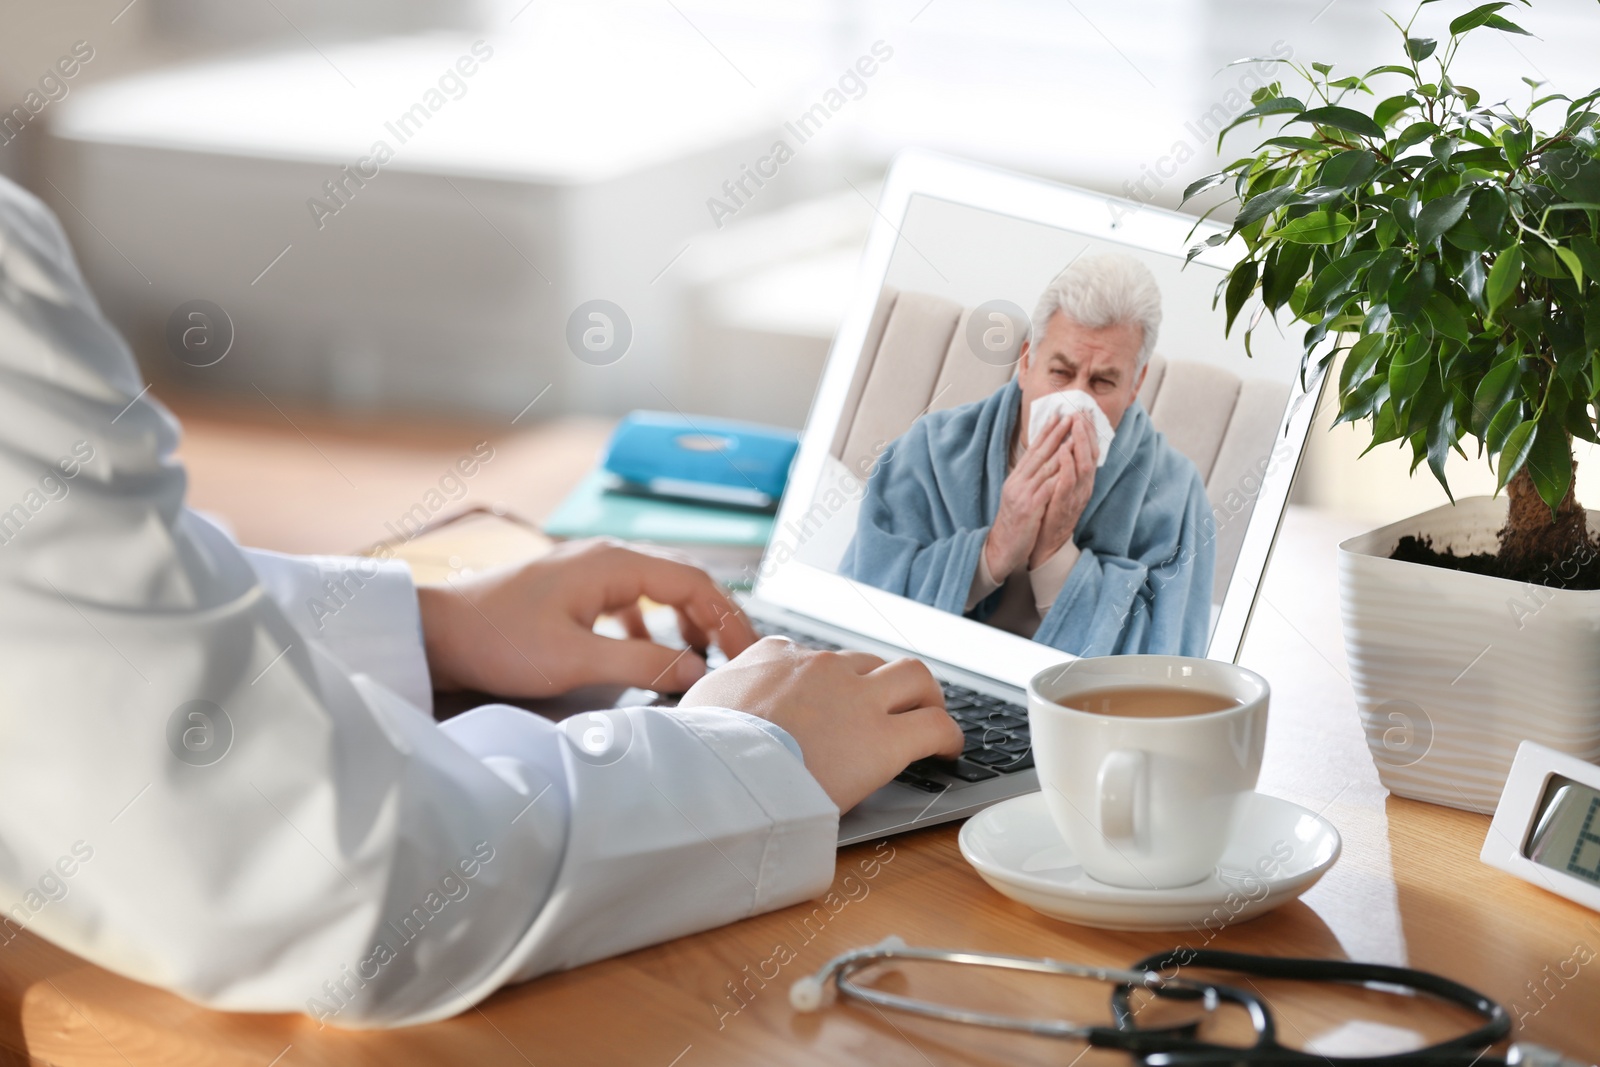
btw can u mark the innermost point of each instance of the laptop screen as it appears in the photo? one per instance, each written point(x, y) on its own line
point(1044, 435)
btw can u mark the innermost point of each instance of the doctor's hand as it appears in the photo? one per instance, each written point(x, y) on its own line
point(527, 629)
point(857, 719)
point(1023, 501)
point(1074, 484)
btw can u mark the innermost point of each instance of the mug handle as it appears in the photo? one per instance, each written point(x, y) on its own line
point(1121, 787)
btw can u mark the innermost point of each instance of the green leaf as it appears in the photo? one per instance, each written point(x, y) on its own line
point(1390, 68)
point(1337, 278)
point(1445, 318)
point(1503, 277)
point(1360, 401)
point(1439, 215)
point(1408, 367)
point(1516, 141)
point(1574, 173)
point(1500, 427)
point(1341, 118)
point(1414, 134)
point(1497, 22)
point(1420, 48)
point(1541, 259)
point(1360, 363)
point(1588, 254)
point(1473, 278)
point(1376, 320)
point(1515, 451)
point(1278, 105)
point(1385, 427)
point(1486, 213)
point(1381, 276)
point(1210, 242)
point(1263, 204)
point(1240, 285)
point(1387, 230)
point(1494, 392)
point(1348, 170)
point(1323, 69)
point(1474, 18)
point(1283, 270)
point(1550, 459)
point(1570, 258)
point(1210, 181)
point(1303, 143)
point(1392, 108)
point(1407, 295)
point(1591, 336)
point(1317, 228)
point(1441, 435)
point(1577, 421)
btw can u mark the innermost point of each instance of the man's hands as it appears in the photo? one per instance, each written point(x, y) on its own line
point(1043, 497)
point(527, 630)
point(1074, 483)
point(857, 719)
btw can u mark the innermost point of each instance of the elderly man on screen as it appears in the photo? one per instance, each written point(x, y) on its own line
point(1034, 533)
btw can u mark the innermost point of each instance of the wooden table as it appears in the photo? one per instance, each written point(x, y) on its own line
point(1408, 889)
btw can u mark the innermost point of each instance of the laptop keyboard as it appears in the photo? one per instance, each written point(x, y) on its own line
point(996, 731)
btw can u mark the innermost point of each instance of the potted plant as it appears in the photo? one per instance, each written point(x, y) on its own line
point(1446, 247)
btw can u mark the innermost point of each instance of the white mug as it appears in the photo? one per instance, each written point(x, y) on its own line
point(1147, 802)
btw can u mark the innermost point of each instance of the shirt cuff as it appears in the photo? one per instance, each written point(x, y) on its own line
point(774, 731)
point(362, 610)
point(983, 582)
point(1048, 578)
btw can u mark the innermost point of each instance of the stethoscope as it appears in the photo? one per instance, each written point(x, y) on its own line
point(1178, 1045)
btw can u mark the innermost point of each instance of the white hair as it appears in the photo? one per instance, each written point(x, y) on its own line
point(1104, 290)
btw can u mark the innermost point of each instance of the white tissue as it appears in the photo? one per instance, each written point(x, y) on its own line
point(1065, 403)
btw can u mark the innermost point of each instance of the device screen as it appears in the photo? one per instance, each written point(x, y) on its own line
point(1566, 830)
point(953, 384)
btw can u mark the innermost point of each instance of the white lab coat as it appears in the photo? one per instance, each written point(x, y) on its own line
point(346, 856)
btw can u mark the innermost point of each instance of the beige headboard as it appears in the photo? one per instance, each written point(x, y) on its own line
point(916, 360)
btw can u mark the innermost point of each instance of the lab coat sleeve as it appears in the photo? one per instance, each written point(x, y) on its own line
point(201, 790)
point(363, 610)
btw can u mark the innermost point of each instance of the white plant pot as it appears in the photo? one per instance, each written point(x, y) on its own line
point(1453, 670)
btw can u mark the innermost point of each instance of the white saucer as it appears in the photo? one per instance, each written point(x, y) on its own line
point(1280, 852)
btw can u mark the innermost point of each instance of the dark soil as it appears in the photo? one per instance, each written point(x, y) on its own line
point(1579, 570)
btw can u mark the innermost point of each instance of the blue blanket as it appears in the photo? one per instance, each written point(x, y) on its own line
point(1142, 582)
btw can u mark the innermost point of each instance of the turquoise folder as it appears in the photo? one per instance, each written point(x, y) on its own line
point(591, 511)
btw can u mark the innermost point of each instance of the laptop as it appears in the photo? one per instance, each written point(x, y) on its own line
point(954, 245)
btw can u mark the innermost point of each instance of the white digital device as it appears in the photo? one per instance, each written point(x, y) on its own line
point(1546, 829)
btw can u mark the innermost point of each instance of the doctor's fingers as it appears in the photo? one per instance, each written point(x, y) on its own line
point(632, 619)
point(614, 661)
point(694, 635)
point(926, 731)
point(860, 662)
point(683, 586)
point(905, 684)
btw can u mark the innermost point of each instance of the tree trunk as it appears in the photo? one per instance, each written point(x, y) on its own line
point(1534, 541)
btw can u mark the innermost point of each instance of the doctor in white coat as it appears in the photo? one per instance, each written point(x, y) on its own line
point(208, 788)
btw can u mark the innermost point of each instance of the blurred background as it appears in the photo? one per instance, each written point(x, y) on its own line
point(399, 204)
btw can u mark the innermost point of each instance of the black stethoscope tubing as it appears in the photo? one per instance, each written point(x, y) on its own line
point(1179, 1051)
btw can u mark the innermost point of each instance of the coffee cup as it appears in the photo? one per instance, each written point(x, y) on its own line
point(1144, 761)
